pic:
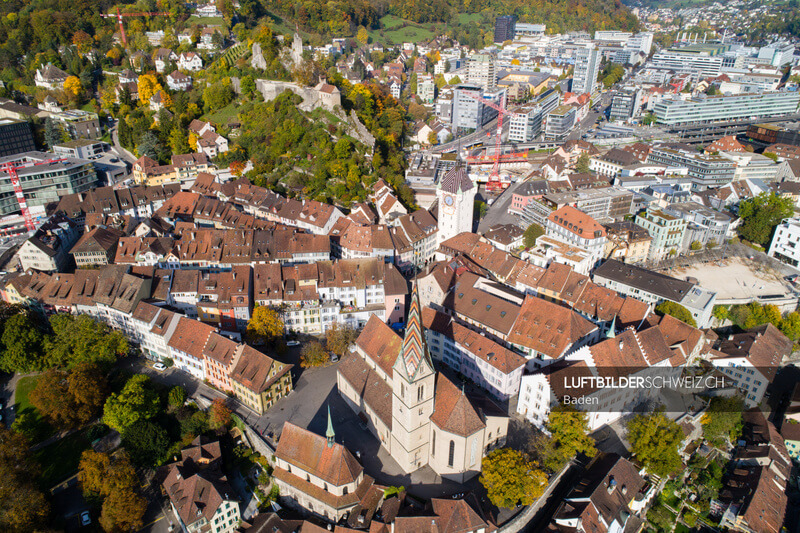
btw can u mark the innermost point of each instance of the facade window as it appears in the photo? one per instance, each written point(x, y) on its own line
point(420, 393)
point(452, 454)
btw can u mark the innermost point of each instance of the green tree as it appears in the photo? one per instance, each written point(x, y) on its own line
point(479, 209)
point(52, 133)
point(760, 216)
point(582, 165)
point(146, 442)
point(217, 95)
point(790, 326)
point(720, 312)
point(23, 345)
point(510, 479)
point(695, 245)
point(177, 397)
point(569, 435)
point(654, 441)
point(313, 354)
point(149, 146)
point(722, 421)
point(82, 339)
point(137, 401)
point(676, 310)
point(179, 141)
point(533, 232)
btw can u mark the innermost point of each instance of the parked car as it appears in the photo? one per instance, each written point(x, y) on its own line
point(292, 343)
point(160, 367)
point(85, 518)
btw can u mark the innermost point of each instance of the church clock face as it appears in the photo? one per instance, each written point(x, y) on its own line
point(448, 200)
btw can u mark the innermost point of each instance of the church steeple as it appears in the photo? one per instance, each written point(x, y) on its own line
point(612, 329)
point(414, 352)
point(330, 434)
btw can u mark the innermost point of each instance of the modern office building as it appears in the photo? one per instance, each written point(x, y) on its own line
point(587, 64)
point(704, 170)
point(15, 137)
point(504, 28)
point(481, 71)
point(625, 104)
point(529, 121)
point(704, 108)
point(469, 113)
point(524, 29)
point(559, 123)
point(698, 60)
point(43, 183)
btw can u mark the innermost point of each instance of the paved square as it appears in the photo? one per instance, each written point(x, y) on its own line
point(735, 278)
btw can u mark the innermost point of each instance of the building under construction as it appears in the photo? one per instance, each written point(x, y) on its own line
point(42, 180)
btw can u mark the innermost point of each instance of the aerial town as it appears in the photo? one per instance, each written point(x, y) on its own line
point(389, 267)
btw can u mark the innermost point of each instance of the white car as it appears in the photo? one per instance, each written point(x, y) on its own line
point(160, 367)
point(292, 343)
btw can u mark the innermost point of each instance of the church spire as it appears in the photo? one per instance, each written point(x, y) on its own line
point(413, 352)
point(612, 329)
point(330, 434)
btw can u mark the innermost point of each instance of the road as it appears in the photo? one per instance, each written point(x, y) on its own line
point(478, 135)
point(498, 211)
point(121, 152)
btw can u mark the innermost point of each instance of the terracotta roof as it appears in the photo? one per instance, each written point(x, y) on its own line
point(376, 393)
point(452, 410)
point(257, 371)
point(495, 354)
point(380, 343)
point(764, 346)
point(309, 451)
point(548, 328)
point(577, 222)
point(190, 337)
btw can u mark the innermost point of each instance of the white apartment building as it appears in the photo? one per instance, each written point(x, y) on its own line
point(785, 245)
point(587, 64)
point(574, 227)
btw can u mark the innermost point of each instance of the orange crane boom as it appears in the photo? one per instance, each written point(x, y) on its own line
point(119, 16)
point(494, 177)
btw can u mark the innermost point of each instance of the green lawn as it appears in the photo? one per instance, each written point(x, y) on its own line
point(464, 18)
point(681, 528)
point(60, 460)
point(22, 397)
point(393, 33)
point(220, 117)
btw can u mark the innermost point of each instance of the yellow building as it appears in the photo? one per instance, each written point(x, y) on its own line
point(259, 381)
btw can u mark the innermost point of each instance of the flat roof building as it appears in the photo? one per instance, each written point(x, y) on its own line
point(704, 108)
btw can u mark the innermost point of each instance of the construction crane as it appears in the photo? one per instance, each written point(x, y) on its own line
point(119, 16)
point(11, 168)
point(494, 182)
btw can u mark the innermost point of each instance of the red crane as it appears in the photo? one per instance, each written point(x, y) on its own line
point(11, 168)
point(494, 178)
point(119, 16)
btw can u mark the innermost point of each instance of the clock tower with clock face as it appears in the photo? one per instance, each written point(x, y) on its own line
point(456, 198)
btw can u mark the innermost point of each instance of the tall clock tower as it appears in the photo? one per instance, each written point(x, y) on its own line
point(456, 198)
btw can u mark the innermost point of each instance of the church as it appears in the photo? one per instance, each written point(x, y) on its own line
point(420, 416)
